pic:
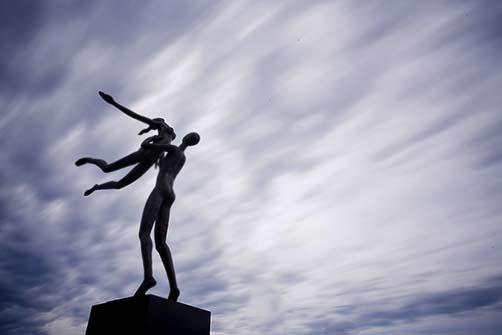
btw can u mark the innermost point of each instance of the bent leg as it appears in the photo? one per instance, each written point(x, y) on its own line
point(164, 252)
point(150, 213)
point(128, 160)
point(128, 179)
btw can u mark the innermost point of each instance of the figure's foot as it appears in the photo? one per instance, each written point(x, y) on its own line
point(82, 161)
point(89, 191)
point(145, 286)
point(174, 294)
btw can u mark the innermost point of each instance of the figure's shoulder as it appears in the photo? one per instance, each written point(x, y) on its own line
point(174, 150)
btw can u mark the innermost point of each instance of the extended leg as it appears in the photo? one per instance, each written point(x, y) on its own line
point(128, 160)
point(150, 213)
point(129, 178)
point(164, 252)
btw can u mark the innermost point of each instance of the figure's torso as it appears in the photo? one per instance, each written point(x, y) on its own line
point(169, 167)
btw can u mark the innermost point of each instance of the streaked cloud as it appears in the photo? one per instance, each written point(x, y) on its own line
point(348, 178)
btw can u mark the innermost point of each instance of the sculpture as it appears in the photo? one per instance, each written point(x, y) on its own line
point(170, 159)
point(157, 209)
point(143, 158)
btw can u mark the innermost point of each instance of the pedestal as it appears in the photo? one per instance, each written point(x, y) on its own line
point(147, 315)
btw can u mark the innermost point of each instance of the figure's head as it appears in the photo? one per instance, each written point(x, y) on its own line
point(191, 139)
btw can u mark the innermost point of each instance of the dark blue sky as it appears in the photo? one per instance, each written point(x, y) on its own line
point(348, 180)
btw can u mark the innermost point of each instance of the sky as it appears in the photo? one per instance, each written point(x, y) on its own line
point(348, 178)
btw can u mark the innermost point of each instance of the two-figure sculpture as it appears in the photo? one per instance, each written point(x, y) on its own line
point(170, 159)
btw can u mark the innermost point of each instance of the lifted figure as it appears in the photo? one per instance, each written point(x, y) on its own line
point(144, 158)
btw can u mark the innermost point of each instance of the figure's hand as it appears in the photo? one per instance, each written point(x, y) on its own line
point(106, 97)
point(144, 131)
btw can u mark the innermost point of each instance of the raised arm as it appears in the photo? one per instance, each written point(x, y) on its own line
point(111, 101)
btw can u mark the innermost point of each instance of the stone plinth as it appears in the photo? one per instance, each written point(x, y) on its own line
point(147, 315)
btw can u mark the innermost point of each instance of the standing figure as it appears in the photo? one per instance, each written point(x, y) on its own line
point(144, 158)
point(157, 210)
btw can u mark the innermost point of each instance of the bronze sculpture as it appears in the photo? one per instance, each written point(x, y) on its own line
point(170, 159)
point(143, 158)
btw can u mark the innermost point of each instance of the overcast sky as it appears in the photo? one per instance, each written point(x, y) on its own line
point(348, 180)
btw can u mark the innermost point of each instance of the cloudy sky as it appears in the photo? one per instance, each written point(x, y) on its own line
point(348, 181)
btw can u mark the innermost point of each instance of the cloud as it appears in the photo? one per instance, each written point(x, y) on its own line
point(347, 179)
point(449, 303)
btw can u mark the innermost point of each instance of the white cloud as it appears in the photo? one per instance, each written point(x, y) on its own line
point(344, 165)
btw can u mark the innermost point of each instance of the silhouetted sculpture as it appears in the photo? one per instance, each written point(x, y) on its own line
point(147, 314)
point(144, 158)
point(157, 210)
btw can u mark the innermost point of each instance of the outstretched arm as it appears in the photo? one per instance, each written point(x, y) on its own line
point(109, 99)
point(165, 147)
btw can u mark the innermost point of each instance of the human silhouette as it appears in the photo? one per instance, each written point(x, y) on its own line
point(144, 158)
point(157, 209)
